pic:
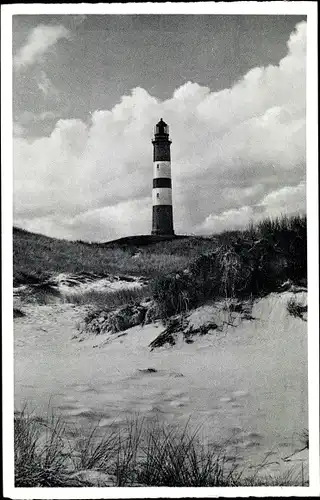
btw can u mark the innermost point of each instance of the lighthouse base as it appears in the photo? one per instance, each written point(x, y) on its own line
point(162, 220)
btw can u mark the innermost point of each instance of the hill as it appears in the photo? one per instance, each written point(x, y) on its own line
point(141, 240)
point(36, 256)
point(254, 260)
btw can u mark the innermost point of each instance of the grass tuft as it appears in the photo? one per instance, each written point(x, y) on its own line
point(138, 454)
point(39, 452)
point(109, 299)
point(243, 265)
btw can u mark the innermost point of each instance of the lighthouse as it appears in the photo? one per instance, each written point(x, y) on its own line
point(162, 215)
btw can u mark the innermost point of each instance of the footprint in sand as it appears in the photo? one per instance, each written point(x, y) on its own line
point(70, 399)
point(177, 404)
point(84, 388)
point(235, 395)
point(81, 412)
point(145, 408)
point(250, 444)
point(175, 393)
point(240, 394)
point(254, 435)
point(226, 399)
point(68, 407)
point(106, 422)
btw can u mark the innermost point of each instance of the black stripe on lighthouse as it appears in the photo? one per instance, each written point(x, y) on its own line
point(161, 151)
point(162, 182)
point(162, 220)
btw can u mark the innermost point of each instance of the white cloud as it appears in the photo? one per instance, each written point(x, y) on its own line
point(231, 150)
point(230, 219)
point(285, 201)
point(102, 224)
point(39, 41)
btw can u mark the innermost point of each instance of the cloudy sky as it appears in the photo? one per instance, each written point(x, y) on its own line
point(88, 89)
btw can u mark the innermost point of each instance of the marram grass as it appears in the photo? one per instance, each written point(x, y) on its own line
point(50, 453)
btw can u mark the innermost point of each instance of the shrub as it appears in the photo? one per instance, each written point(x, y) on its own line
point(32, 277)
point(100, 321)
point(180, 325)
point(287, 239)
point(211, 276)
point(296, 309)
point(242, 264)
point(175, 294)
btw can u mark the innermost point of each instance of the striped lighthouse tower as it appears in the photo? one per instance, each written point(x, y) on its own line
point(162, 216)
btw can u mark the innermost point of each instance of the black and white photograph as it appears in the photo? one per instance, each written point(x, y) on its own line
point(160, 189)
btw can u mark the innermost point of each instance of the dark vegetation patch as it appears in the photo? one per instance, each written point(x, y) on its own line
point(180, 327)
point(297, 309)
point(244, 264)
point(41, 293)
point(243, 308)
point(33, 278)
point(17, 313)
point(168, 336)
point(148, 370)
point(100, 321)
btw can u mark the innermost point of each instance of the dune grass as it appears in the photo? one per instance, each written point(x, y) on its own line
point(183, 273)
point(274, 247)
point(41, 463)
point(243, 264)
point(50, 453)
point(109, 299)
point(35, 257)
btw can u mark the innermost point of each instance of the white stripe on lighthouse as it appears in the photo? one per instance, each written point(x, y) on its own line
point(161, 169)
point(161, 196)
